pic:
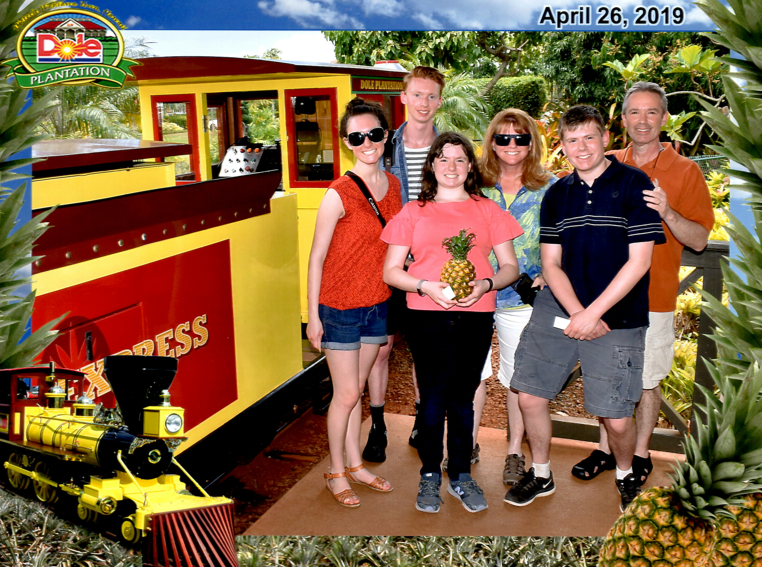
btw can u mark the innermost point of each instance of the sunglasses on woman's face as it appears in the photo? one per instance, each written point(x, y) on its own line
point(358, 138)
point(505, 139)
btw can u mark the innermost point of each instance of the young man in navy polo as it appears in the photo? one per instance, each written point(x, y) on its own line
point(596, 240)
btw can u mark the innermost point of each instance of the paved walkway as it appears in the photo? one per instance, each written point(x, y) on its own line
point(577, 508)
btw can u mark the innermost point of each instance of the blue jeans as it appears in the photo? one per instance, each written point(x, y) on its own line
point(347, 329)
point(449, 349)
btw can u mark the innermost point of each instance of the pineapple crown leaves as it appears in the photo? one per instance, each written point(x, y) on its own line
point(725, 462)
point(459, 246)
point(742, 135)
point(740, 26)
point(16, 131)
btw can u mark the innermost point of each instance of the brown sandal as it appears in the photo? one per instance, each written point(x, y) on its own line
point(376, 484)
point(344, 496)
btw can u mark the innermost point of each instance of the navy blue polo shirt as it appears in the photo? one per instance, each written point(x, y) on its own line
point(595, 226)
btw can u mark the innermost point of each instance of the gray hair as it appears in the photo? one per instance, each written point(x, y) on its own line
point(644, 86)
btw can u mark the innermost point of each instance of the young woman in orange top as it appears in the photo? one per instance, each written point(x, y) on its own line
point(346, 293)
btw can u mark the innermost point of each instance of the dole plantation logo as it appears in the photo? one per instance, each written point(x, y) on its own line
point(70, 47)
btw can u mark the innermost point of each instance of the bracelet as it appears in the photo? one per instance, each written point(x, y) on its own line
point(491, 284)
point(418, 288)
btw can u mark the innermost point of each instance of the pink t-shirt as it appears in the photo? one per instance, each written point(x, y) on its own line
point(424, 228)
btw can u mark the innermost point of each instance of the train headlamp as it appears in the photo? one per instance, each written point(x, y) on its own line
point(173, 423)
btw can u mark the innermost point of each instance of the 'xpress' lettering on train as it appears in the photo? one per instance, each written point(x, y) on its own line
point(185, 337)
point(613, 16)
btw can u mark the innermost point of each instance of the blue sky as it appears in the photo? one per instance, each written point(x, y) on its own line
point(394, 14)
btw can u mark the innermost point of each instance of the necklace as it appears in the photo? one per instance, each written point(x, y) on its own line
point(653, 167)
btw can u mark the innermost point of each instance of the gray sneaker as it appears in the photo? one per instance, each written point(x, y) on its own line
point(514, 469)
point(428, 499)
point(468, 492)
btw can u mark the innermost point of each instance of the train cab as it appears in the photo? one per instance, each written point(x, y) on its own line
point(28, 391)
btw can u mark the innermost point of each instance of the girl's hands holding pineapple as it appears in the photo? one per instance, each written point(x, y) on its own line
point(479, 288)
point(435, 292)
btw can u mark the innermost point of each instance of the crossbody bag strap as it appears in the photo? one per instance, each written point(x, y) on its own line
point(364, 188)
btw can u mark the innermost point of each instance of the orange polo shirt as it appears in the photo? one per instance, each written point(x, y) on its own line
point(688, 194)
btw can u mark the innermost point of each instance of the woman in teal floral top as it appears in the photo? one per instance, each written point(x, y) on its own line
point(511, 166)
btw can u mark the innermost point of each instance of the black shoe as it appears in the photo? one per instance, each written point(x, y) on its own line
point(628, 488)
point(530, 487)
point(414, 439)
point(641, 468)
point(375, 448)
point(593, 465)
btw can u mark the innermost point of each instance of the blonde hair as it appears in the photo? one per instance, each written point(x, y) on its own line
point(533, 176)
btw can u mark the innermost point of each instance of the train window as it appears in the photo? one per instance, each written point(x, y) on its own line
point(216, 126)
point(313, 136)
point(174, 119)
point(260, 120)
point(28, 388)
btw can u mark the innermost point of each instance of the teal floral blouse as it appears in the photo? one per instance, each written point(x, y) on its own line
point(525, 208)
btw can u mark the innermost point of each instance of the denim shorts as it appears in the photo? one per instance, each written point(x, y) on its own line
point(346, 329)
point(612, 365)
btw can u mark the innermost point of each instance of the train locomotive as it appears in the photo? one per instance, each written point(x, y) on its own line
point(113, 463)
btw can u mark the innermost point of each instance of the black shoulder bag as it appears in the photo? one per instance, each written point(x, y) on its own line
point(364, 188)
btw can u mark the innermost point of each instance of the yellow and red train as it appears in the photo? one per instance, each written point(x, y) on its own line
point(155, 250)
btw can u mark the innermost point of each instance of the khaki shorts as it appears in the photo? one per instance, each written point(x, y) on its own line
point(660, 342)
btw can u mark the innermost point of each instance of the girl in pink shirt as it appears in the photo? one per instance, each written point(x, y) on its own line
point(449, 338)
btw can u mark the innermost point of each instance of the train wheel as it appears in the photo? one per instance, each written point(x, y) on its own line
point(44, 491)
point(86, 514)
point(130, 533)
point(17, 480)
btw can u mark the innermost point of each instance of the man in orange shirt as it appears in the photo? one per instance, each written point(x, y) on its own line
point(681, 197)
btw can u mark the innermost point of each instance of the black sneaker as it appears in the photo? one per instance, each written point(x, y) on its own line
point(375, 448)
point(641, 468)
point(629, 488)
point(428, 499)
point(465, 489)
point(530, 487)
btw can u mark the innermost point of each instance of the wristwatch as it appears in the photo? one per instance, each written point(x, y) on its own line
point(418, 288)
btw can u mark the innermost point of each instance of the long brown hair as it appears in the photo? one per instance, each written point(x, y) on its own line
point(533, 176)
point(473, 182)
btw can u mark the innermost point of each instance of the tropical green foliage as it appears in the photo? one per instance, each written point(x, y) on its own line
point(463, 108)
point(262, 120)
point(89, 111)
point(382, 551)
point(527, 93)
point(739, 332)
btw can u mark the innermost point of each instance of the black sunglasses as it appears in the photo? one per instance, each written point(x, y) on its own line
point(505, 139)
point(358, 138)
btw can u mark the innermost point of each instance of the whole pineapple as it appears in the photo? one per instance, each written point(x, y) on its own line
point(458, 271)
point(677, 525)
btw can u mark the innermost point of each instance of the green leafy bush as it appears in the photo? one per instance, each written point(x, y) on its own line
point(180, 119)
point(525, 93)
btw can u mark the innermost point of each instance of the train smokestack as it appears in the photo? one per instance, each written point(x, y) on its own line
point(137, 382)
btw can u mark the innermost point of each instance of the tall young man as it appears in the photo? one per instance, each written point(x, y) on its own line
point(596, 240)
point(682, 199)
point(422, 94)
